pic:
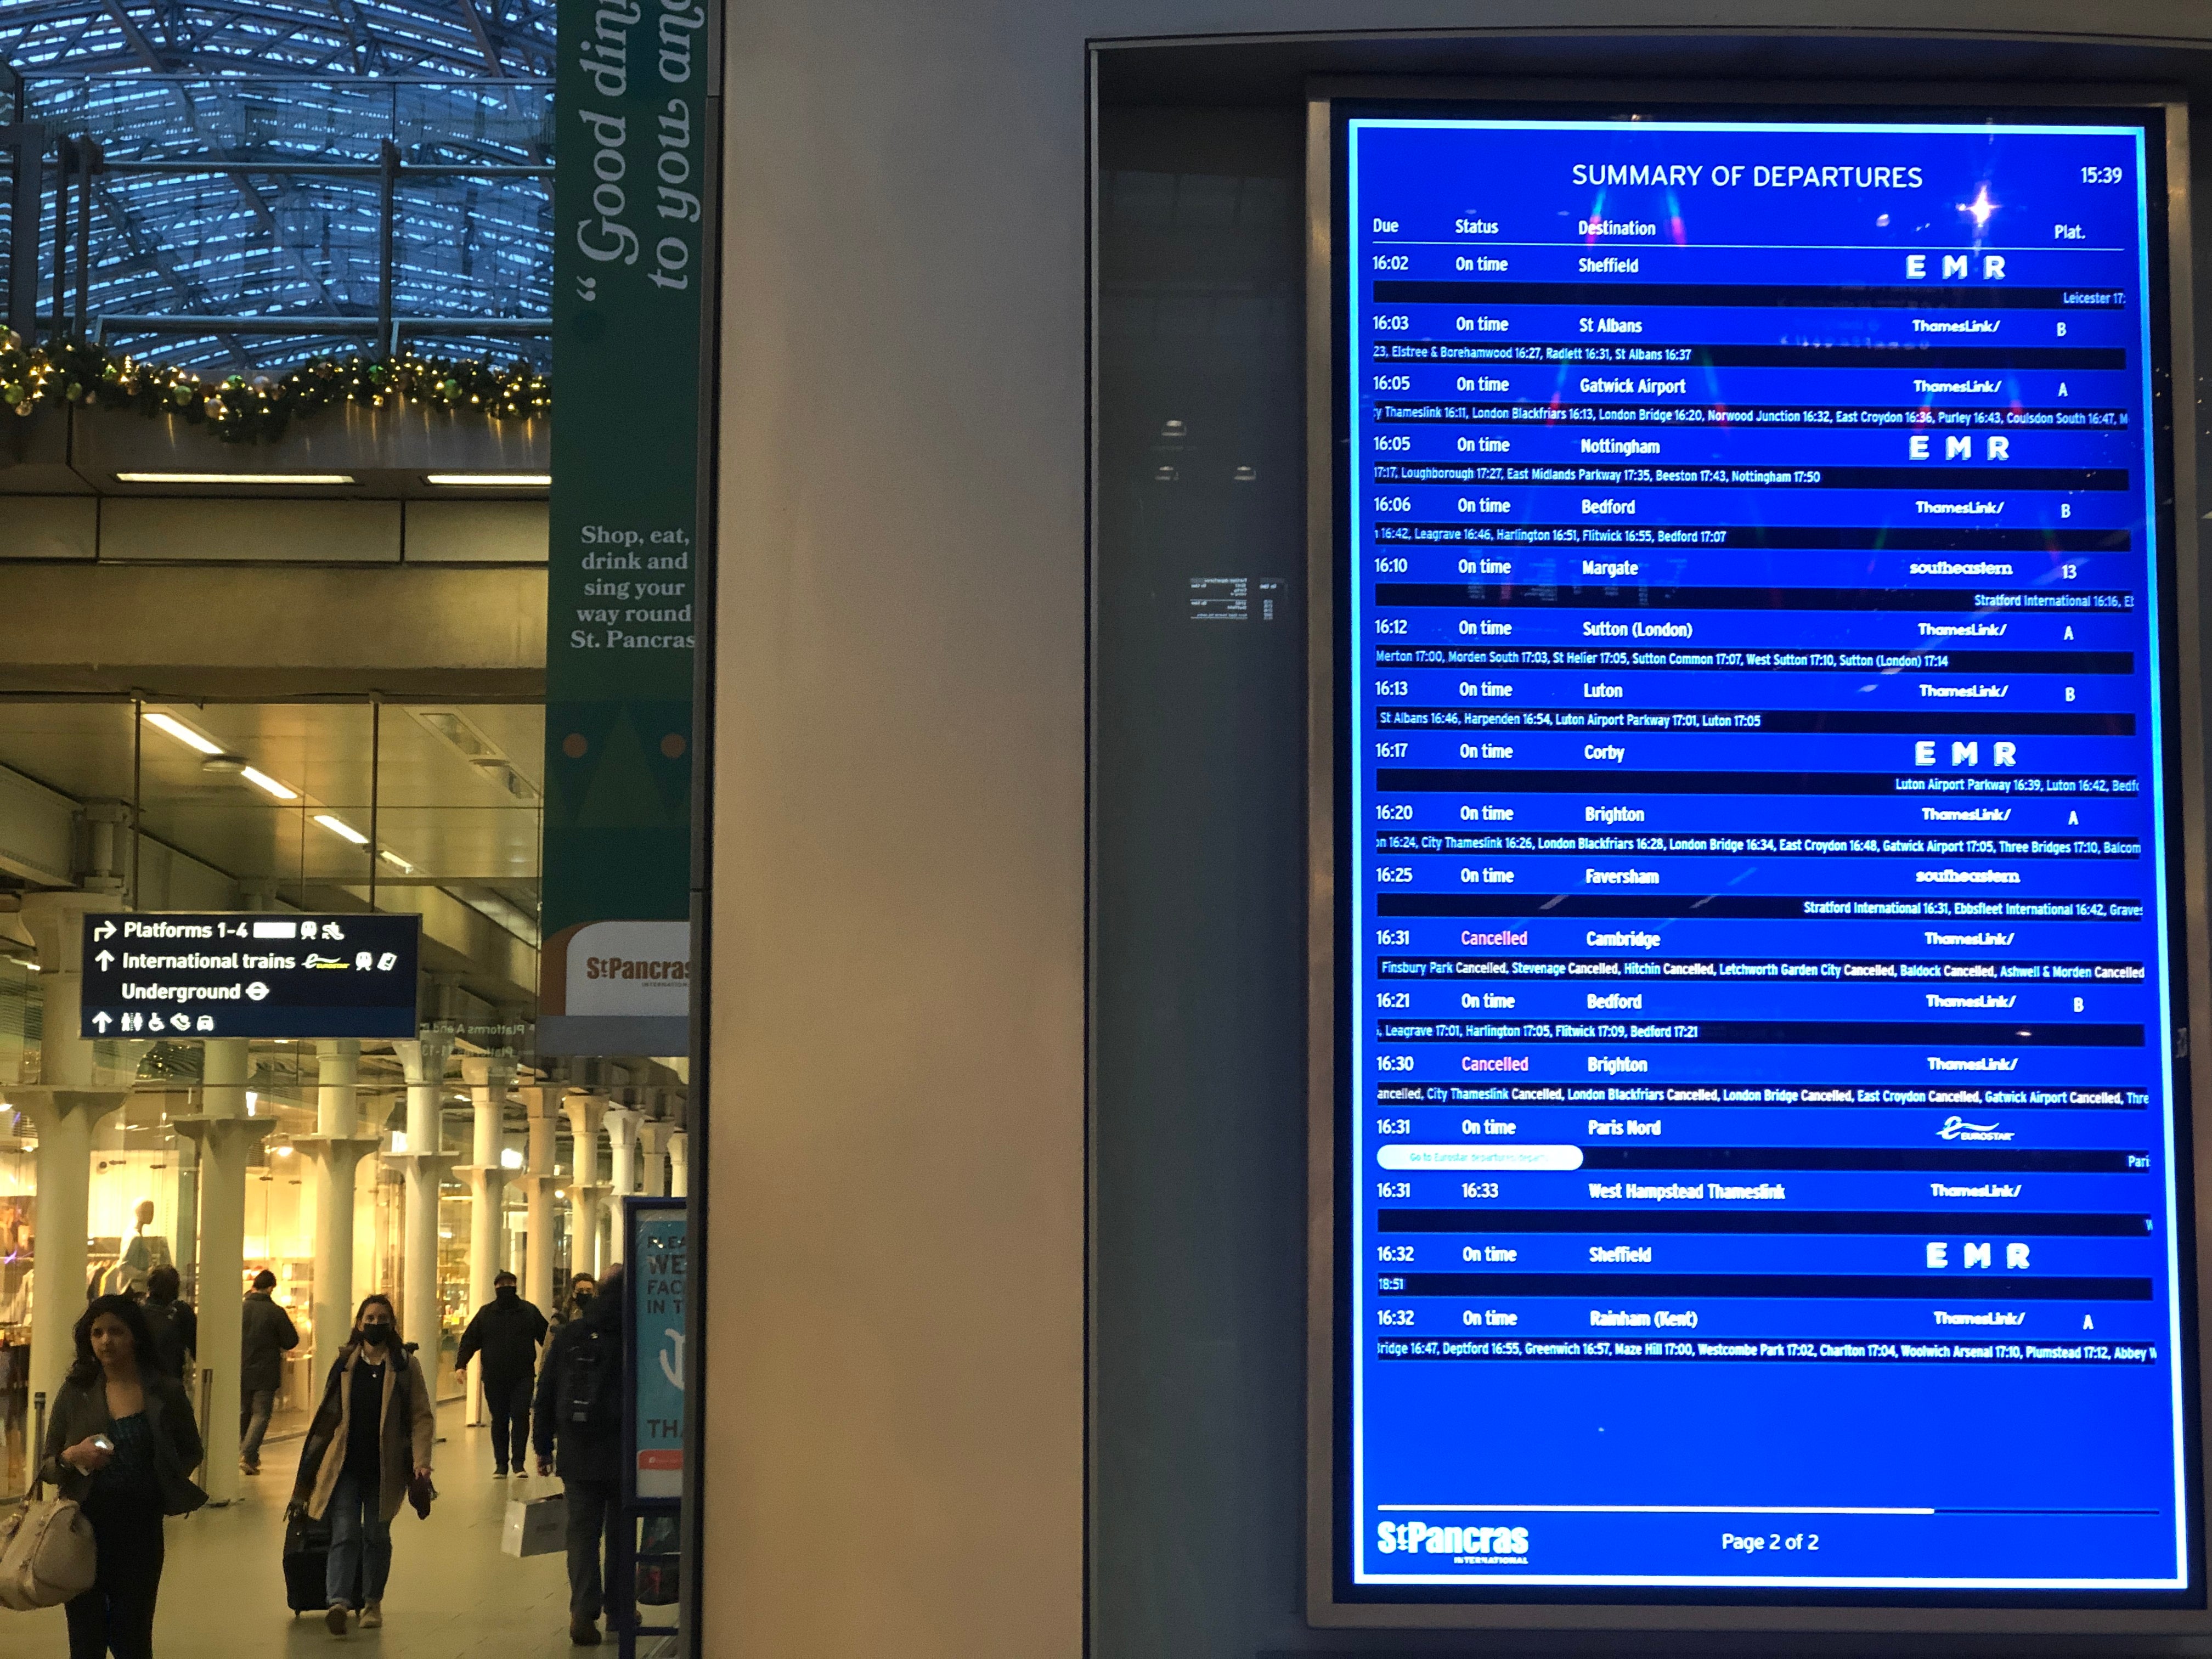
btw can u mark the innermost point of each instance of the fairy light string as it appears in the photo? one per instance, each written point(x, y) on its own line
point(239, 410)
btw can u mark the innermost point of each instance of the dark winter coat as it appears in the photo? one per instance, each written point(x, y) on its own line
point(591, 1450)
point(266, 1335)
point(176, 1331)
point(506, 1331)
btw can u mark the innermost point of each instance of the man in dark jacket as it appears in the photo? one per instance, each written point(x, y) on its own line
point(175, 1327)
point(506, 1332)
point(580, 1407)
point(266, 1335)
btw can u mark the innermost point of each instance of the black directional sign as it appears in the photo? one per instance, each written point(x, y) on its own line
point(226, 974)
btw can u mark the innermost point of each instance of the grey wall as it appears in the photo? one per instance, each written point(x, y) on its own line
point(906, 1141)
point(1199, 894)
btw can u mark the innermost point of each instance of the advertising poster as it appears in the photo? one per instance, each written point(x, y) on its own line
point(659, 1258)
point(623, 560)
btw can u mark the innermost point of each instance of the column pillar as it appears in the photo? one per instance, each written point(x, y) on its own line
point(67, 1109)
point(185, 1246)
point(679, 1164)
point(653, 1135)
point(623, 1123)
point(489, 1080)
point(67, 1121)
point(226, 1140)
point(336, 1149)
point(423, 1164)
point(585, 1190)
point(544, 1105)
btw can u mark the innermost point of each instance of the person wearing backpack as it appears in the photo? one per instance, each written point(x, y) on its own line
point(369, 1441)
point(119, 1443)
point(175, 1327)
point(578, 1418)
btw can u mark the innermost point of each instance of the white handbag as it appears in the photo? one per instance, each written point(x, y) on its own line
point(47, 1553)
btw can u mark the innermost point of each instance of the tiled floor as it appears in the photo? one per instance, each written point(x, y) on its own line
point(453, 1593)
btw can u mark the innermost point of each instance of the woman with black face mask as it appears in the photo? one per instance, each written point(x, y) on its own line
point(370, 1439)
point(582, 1287)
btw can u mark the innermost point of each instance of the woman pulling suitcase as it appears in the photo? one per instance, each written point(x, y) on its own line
point(369, 1442)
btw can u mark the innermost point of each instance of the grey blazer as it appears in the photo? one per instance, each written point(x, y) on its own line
point(81, 1409)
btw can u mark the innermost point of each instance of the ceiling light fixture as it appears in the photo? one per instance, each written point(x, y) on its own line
point(395, 860)
point(279, 478)
point(262, 780)
point(340, 828)
point(492, 480)
point(454, 729)
point(182, 732)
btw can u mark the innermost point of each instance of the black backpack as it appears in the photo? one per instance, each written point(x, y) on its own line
point(168, 1330)
point(588, 1382)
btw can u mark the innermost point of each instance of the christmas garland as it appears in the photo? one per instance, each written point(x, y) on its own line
point(241, 410)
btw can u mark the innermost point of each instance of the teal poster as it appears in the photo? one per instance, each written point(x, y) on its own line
point(659, 1258)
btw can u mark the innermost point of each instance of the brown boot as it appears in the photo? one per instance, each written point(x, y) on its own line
point(583, 1633)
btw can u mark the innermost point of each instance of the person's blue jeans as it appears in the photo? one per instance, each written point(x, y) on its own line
point(360, 1543)
point(254, 1405)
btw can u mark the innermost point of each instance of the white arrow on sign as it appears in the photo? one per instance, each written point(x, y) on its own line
point(105, 930)
point(101, 1022)
point(106, 959)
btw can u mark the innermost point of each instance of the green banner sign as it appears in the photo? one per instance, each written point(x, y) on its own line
point(629, 212)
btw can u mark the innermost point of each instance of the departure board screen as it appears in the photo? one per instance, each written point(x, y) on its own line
point(1763, 1162)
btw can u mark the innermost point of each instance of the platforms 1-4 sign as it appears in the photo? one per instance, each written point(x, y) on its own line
point(227, 975)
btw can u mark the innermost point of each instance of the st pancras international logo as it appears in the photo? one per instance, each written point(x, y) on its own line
point(1418, 1538)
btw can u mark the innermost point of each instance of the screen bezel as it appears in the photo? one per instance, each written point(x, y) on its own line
point(1330, 1599)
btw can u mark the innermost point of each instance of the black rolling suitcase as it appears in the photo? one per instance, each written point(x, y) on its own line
point(307, 1565)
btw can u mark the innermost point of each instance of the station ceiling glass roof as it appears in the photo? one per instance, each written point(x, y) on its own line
point(263, 92)
point(310, 38)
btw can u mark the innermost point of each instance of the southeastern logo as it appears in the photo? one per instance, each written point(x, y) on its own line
point(1418, 1538)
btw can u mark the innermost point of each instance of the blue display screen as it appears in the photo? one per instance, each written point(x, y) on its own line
point(1761, 1167)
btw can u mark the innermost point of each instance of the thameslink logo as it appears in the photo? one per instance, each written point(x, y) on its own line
point(1418, 1538)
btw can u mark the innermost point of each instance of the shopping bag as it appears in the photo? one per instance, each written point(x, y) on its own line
point(46, 1553)
point(538, 1526)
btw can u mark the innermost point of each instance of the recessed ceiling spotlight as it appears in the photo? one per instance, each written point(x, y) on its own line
point(231, 764)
